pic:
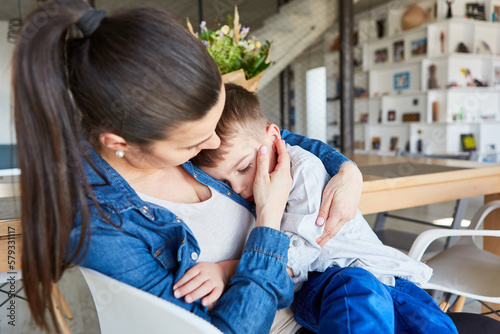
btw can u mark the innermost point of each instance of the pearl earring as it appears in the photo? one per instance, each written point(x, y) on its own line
point(120, 154)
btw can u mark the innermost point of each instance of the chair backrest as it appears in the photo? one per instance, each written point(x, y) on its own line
point(123, 309)
point(478, 220)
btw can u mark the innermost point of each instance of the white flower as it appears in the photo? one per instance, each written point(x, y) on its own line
point(225, 29)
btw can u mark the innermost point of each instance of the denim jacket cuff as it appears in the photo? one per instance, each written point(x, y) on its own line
point(268, 241)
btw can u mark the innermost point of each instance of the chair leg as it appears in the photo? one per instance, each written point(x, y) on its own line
point(459, 304)
point(63, 326)
point(445, 304)
point(61, 301)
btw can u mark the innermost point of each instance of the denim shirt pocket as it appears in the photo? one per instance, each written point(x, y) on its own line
point(168, 252)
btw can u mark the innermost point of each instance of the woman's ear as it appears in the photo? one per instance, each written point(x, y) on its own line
point(273, 132)
point(113, 141)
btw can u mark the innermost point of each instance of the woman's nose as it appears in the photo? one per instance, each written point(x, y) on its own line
point(212, 143)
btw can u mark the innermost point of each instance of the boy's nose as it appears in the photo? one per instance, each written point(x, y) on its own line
point(238, 187)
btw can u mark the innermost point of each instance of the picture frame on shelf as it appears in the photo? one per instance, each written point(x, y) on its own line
point(411, 117)
point(376, 143)
point(391, 116)
point(401, 80)
point(496, 81)
point(468, 142)
point(363, 118)
point(381, 56)
point(475, 10)
point(496, 14)
point(393, 144)
point(419, 47)
point(399, 51)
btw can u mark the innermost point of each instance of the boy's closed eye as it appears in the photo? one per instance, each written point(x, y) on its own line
point(246, 169)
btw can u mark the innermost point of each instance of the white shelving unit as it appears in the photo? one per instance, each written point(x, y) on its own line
point(461, 107)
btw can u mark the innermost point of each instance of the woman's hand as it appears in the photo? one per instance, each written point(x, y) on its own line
point(340, 201)
point(205, 280)
point(271, 190)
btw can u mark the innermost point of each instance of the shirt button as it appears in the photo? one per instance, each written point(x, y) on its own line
point(195, 175)
point(228, 193)
point(178, 219)
point(194, 256)
point(295, 243)
point(145, 209)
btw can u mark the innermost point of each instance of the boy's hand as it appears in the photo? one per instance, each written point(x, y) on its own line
point(340, 201)
point(205, 280)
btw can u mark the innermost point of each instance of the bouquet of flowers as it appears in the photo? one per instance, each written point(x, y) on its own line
point(240, 60)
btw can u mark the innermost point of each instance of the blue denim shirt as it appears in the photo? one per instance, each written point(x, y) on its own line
point(150, 248)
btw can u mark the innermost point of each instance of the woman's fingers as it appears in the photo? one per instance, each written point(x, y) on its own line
point(283, 157)
point(262, 173)
point(340, 201)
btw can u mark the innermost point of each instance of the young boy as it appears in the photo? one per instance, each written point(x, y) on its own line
point(354, 283)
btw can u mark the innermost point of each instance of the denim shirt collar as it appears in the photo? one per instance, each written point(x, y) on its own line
point(111, 189)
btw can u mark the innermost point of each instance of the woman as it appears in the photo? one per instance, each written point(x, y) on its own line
point(119, 110)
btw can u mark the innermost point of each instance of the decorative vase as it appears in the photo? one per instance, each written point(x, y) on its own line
point(238, 78)
point(413, 17)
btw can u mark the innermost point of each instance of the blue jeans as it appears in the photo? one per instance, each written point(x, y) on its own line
point(352, 300)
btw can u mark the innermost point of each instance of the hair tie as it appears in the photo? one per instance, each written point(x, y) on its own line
point(89, 22)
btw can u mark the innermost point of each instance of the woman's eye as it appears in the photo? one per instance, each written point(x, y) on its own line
point(246, 169)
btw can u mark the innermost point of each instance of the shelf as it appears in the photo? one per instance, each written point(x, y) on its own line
point(445, 56)
point(389, 66)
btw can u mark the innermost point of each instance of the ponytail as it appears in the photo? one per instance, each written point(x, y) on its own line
point(137, 73)
point(48, 137)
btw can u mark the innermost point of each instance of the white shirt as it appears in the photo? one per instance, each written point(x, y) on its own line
point(356, 245)
point(220, 225)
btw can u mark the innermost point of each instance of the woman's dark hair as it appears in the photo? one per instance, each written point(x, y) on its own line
point(138, 75)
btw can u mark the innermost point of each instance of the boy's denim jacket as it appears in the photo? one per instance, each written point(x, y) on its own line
point(151, 248)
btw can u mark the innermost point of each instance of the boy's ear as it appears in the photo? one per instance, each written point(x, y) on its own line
point(273, 132)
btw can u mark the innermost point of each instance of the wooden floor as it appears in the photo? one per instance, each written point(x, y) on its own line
point(77, 295)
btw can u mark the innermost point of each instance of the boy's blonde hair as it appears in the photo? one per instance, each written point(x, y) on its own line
point(242, 115)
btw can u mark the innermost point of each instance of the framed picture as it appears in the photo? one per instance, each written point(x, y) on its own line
point(399, 51)
point(411, 117)
point(381, 56)
point(376, 143)
point(391, 116)
point(497, 76)
point(363, 118)
point(393, 144)
point(475, 11)
point(419, 47)
point(468, 142)
point(402, 80)
point(496, 14)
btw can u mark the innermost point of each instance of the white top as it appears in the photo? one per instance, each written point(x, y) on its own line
point(356, 245)
point(220, 225)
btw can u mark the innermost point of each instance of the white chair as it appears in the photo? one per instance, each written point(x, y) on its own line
point(123, 309)
point(463, 269)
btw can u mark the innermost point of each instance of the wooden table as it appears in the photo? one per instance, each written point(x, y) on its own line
point(392, 183)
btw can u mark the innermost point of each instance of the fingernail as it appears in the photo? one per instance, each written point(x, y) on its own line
point(263, 150)
point(177, 294)
point(175, 287)
point(188, 299)
point(320, 221)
